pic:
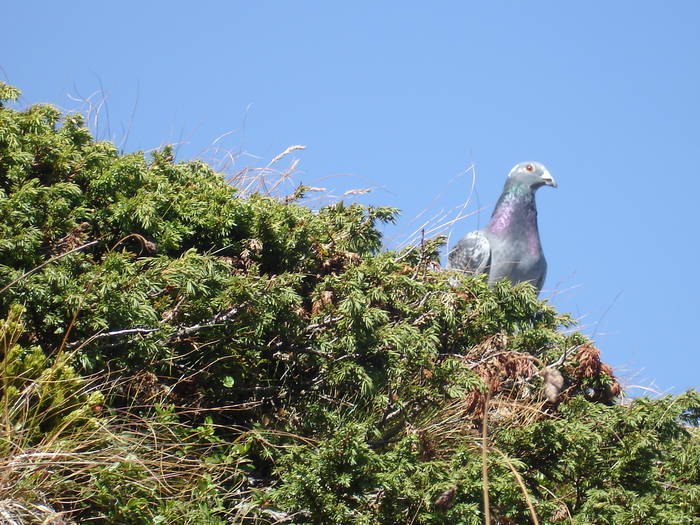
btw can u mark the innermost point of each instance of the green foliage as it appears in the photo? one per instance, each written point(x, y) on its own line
point(284, 368)
point(58, 446)
point(635, 464)
point(8, 93)
point(40, 398)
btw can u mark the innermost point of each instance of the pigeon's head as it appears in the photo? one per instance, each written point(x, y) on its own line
point(532, 174)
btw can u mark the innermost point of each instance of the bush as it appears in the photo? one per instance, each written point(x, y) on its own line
point(287, 370)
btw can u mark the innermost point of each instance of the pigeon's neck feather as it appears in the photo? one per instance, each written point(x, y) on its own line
point(515, 216)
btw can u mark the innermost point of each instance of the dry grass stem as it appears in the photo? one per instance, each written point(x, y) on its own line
point(523, 488)
point(484, 462)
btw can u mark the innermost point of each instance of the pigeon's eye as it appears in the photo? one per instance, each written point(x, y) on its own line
point(530, 167)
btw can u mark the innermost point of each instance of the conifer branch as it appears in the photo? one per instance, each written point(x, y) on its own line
point(46, 263)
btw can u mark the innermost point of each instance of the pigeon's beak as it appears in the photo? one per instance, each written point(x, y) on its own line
point(548, 179)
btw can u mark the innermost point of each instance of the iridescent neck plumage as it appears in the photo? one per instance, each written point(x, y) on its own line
point(515, 213)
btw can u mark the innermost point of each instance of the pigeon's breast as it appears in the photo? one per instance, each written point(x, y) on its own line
point(517, 260)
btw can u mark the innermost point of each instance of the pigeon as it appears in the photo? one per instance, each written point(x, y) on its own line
point(509, 246)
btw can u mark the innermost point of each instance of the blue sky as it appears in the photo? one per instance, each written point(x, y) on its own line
point(404, 97)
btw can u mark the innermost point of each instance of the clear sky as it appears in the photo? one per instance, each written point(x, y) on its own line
point(405, 97)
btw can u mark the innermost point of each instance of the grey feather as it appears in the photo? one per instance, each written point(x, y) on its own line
point(509, 246)
point(471, 254)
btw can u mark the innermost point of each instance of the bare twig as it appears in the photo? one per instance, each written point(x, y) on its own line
point(563, 357)
point(325, 322)
point(179, 334)
point(115, 333)
point(217, 319)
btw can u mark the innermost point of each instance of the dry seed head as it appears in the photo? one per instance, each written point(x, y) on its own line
point(286, 152)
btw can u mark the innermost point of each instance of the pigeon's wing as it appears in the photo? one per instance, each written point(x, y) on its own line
point(471, 254)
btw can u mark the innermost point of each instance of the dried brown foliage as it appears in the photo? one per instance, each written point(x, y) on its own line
point(504, 373)
point(586, 365)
